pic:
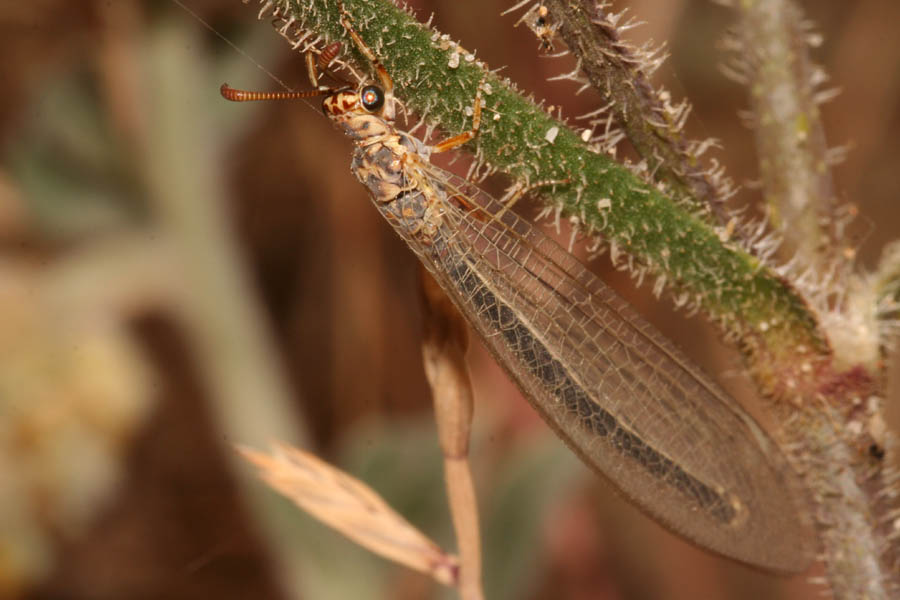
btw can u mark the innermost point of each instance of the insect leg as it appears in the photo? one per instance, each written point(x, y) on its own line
point(462, 138)
point(311, 70)
point(519, 190)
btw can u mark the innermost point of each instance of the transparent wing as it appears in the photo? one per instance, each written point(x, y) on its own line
point(618, 392)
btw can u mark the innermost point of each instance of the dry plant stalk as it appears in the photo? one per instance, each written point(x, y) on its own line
point(351, 507)
point(444, 344)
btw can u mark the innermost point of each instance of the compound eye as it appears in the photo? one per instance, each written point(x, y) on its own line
point(372, 98)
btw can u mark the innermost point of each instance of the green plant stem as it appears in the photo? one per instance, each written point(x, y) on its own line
point(662, 239)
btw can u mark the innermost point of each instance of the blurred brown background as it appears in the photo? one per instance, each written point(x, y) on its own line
point(179, 275)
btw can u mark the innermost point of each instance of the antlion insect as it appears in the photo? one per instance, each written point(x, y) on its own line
point(617, 392)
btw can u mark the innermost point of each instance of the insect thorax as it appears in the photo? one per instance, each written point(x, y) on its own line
point(396, 191)
point(380, 169)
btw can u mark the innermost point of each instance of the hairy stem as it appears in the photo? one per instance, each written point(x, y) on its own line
point(774, 63)
point(854, 492)
point(652, 123)
point(661, 238)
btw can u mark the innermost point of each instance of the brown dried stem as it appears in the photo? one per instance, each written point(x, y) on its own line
point(351, 507)
point(444, 344)
point(652, 124)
